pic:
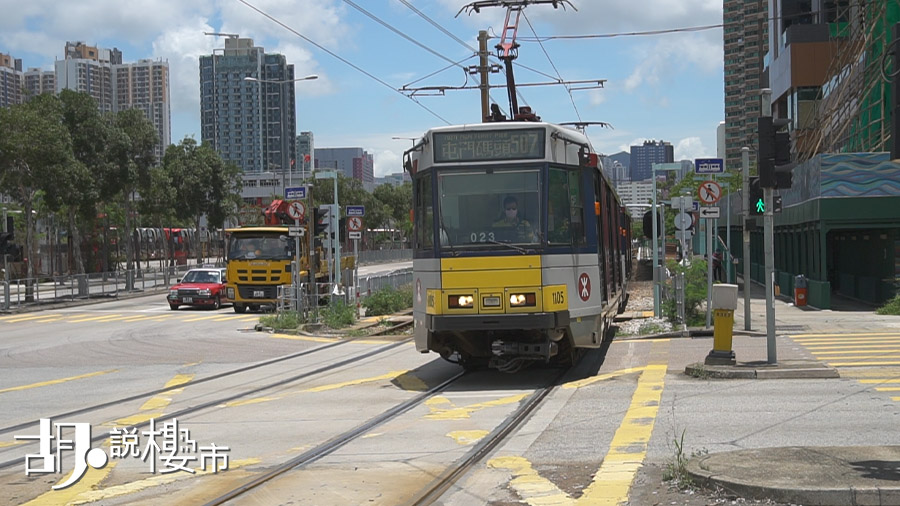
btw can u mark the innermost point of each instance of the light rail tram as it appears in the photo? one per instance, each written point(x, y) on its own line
point(521, 245)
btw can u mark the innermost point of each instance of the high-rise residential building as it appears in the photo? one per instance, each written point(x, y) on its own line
point(116, 87)
point(643, 157)
point(251, 123)
point(88, 69)
point(745, 43)
point(145, 85)
point(11, 80)
point(39, 81)
point(306, 154)
point(352, 162)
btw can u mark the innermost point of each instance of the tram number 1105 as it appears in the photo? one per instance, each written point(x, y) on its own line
point(559, 297)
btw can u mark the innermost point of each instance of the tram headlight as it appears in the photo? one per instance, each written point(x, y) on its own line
point(460, 301)
point(521, 300)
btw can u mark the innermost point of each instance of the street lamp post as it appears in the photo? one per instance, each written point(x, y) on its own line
point(284, 130)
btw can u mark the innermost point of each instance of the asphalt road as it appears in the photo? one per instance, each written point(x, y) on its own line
point(600, 438)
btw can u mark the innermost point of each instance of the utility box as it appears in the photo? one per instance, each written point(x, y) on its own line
point(724, 296)
point(801, 286)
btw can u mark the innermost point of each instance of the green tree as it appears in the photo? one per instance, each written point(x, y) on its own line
point(79, 192)
point(131, 154)
point(35, 152)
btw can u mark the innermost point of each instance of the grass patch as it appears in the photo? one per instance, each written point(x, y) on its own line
point(676, 469)
point(650, 328)
point(891, 308)
point(700, 372)
point(287, 320)
point(338, 314)
point(388, 300)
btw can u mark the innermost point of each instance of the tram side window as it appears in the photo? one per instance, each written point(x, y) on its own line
point(565, 223)
point(424, 213)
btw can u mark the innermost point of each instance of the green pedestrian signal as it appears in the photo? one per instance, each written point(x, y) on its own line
point(760, 206)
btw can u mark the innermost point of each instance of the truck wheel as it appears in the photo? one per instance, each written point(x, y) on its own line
point(239, 308)
point(217, 303)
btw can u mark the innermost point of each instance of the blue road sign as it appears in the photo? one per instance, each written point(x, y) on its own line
point(709, 166)
point(356, 210)
point(295, 193)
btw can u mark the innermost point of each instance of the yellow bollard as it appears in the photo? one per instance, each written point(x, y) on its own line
point(724, 302)
point(723, 325)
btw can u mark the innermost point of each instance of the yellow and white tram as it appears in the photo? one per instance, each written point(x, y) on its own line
point(522, 248)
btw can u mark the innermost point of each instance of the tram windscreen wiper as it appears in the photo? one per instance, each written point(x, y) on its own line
point(447, 235)
point(508, 245)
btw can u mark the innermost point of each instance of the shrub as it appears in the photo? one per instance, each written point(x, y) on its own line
point(388, 300)
point(891, 308)
point(338, 314)
point(287, 320)
point(694, 293)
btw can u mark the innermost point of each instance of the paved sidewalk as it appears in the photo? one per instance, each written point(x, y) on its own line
point(828, 475)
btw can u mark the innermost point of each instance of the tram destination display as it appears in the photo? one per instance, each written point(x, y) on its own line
point(487, 145)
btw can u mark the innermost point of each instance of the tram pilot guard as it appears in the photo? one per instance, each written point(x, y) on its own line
point(511, 228)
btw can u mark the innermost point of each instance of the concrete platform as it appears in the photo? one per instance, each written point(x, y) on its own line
point(811, 476)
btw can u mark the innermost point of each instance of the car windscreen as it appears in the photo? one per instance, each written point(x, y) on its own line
point(201, 277)
point(265, 247)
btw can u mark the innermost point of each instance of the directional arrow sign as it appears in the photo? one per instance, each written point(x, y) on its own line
point(709, 212)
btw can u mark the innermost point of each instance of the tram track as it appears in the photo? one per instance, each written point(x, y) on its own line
point(220, 400)
point(432, 492)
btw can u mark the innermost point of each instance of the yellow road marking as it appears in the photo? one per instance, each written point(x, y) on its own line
point(887, 389)
point(629, 445)
point(893, 380)
point(852, 342)
point(48, 320)
point(468, 437)
point(859, 355)
point(533, 488)
point(7, 444)
point(91, 479)
point(802, 336)
point(602, 377)
point(844, 349)
point(155, 481)
point(196, 319)
point(304, 338)
point(95, 318)
point(257, 400)
point(34, 317)
point(155, 406)
point(57, 381)
point(389, 376)
point(460, 413)
point(849, 364)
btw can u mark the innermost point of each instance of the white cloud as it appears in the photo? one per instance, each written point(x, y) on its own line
point(387, 162)
point(690, 148)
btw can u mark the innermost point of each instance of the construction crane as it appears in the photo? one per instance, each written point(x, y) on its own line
point(508, 48)
point(217, 34)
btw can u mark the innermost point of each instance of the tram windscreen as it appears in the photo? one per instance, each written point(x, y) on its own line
point(482, 208)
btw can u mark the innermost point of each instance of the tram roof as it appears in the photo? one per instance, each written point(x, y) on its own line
point(572, 134)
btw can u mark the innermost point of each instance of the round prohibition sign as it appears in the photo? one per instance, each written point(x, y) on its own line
point(354, 224)
point(296, 210)
point(709, 192)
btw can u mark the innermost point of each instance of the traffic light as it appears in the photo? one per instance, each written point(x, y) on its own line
point(756, 202)
point(342, 229)
point(648, 225)
point(321, 220)
point(774, 153)
point(776, 203)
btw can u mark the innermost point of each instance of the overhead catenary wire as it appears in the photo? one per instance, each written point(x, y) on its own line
point(341, 59)
point(568, 89)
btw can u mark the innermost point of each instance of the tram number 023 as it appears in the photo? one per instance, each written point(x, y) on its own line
point(482, 237)
point(559, 297)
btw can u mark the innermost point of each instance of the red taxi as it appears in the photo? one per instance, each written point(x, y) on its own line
point(199, 287)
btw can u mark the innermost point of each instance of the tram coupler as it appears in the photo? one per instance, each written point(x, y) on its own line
point(543, 350)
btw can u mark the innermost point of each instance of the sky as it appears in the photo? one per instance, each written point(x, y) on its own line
point(665, 86)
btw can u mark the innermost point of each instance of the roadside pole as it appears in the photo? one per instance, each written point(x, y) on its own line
point(769, 219)
point(296, 274)
point(745, 165)
point(656, 293)
point(709, 271)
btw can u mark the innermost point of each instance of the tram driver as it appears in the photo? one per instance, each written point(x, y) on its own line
point(510, 227)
